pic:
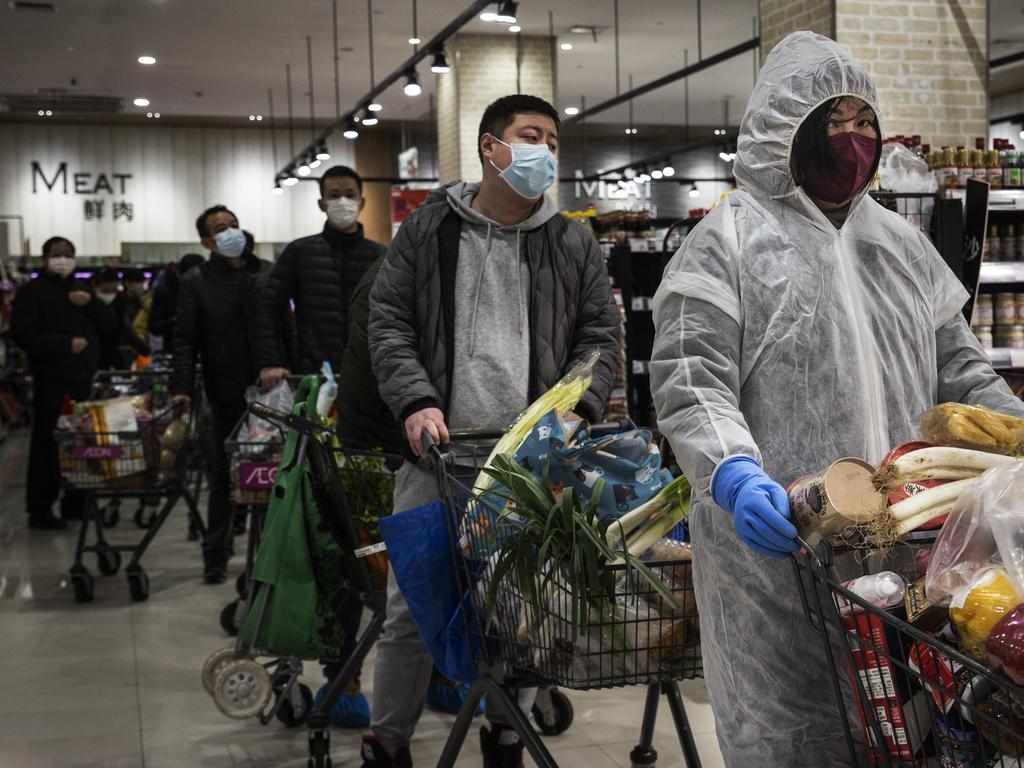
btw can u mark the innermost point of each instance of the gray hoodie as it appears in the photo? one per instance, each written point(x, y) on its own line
point(491, 375)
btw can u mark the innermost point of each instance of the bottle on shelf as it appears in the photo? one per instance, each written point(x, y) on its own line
point(993, 246)
point(1011, 171)
point(979, 165)
point(964, 167)
point(947, 170)
point(994, 172)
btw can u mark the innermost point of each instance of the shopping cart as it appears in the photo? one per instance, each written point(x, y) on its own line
point(148, 464)
point(917, 700)
point(351, 487)
point(652, 651)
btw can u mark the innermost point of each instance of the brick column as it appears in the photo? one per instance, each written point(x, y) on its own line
point(927, 57)
point(484, 68)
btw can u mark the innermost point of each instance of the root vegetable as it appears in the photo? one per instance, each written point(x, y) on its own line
point(937, 464)
point(902, 518)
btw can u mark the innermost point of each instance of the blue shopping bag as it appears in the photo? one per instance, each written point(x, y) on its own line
point(420, 556)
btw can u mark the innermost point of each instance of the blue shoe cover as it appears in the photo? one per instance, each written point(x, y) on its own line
point(350, 711)
point(446, 696)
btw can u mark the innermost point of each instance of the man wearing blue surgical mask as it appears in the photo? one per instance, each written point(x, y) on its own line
point(216, 305)
point(485, 299)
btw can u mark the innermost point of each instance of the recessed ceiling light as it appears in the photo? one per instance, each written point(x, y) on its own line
point(515, 28)
point(668, 170)
point(375, 107)
point(656, 174)
point(290, 181)
point(141, 102)
point(156, 115)
point(566, 46)
point(149, 114)
point(414, 41)
point(147, 60)
point(572, 110)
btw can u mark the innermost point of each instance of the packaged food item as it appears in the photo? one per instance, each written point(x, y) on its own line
point(922, 612)
point(1005, 645)
point(973, 426)
point(985, 337)
point(1005, 309)
point(1014, 337)
point(983, 311)
point(976, 611)
point(825, 505)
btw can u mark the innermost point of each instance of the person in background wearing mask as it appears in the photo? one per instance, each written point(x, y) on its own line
point(216, 304)
point(165, 299)
point(799, 323)
point(318, 273)
point(106, 286)
point(58, 321)
point(485, 299)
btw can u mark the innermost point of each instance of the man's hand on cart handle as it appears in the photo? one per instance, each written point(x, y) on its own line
point(431, 420)
point(78, 343)
point(271, 377)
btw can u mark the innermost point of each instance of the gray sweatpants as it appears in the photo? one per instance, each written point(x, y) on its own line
point(403, 666)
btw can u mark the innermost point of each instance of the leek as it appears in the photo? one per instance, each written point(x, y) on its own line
point(637, 531)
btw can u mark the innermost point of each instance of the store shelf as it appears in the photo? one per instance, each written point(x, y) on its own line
point(641, 304)
point(1002, 272)
point(998, 199)
point(1005, 359)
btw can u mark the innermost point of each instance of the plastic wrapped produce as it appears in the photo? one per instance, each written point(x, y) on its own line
point(973, 426)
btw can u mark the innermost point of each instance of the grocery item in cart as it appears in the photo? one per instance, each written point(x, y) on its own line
point(973, 426)
point(835, 501)
point(977, 609)
point(1005, 645)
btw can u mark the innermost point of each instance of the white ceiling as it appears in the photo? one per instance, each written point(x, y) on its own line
point(232, 51)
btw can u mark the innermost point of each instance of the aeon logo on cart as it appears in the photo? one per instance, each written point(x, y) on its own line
point(257, 475)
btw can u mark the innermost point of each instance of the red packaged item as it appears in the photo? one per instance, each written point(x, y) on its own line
point(907, 490)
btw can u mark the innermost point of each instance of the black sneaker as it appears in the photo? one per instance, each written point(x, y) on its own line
point(46, 521)
point(496, 754)
point(215, 570)
point(375, 756)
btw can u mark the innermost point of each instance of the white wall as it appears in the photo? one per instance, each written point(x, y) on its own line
point(176, 173)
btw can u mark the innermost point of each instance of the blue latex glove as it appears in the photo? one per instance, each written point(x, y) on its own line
point(759, 506)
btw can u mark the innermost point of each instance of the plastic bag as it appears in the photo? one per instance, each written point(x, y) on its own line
point(973, 426)
point(900, 170)
point(988, 598)
point(256, 430)
point(985, 528)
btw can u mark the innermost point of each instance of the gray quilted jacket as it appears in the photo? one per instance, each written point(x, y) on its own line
point(412, 310)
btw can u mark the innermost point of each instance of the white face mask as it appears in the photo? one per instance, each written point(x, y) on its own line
point(107, 298)
point(61, 265)
point(342, 213)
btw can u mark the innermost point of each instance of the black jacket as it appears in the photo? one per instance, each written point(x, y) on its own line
point(44, 321)
point(123, 336)
point(216, 304)
point(165, 307)
point(319, 273)
point(412, 311)
point(363, 417)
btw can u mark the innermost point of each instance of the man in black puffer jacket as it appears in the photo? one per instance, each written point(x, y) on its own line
point(216, 304)
point(319, 273)
point(484, 301)
point(59, 322)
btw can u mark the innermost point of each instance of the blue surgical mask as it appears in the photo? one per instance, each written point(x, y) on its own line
point(230, 242)
point(533, 169)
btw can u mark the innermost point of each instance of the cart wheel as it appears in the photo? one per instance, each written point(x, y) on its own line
point(109, 561)
point(82, 583)
point(242, 689)
point(229, 617)
point(138, 584)
point(111, 514)
point(296, 706)
point(241, 584)
point(214, 663)
point(143, 518)
point(555, 715)
point(319, 750)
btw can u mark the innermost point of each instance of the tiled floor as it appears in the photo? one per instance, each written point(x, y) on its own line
point(116, 684)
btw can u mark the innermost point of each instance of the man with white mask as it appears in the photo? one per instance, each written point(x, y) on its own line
point(59, 322)
point(217, 302)
point(318, 274)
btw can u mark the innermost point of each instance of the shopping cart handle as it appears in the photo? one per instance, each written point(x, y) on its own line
point(282, 418)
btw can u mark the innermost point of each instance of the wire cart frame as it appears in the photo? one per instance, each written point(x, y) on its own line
point(143, 464)
point(917, 699)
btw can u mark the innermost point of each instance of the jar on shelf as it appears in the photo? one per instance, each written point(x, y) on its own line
point(1005, 309)
point(983, 311)
point(1015, 337)
point(984, 334)
point(1018, 299)
point(1017, 252)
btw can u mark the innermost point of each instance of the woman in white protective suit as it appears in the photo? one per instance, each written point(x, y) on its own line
point(799, 323)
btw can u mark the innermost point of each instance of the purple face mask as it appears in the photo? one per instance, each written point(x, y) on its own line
point(852, 172)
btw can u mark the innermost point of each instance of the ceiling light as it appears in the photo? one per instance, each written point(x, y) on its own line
point(375, 107)
point(506, 13)
point(414, 41)
point(572, 110)
point(668, 170)
point(623, 183)
point(656, 174)
point(289, 181)
point(369, 120)
point(644, 178)
point(314, 163)
point(147, 60)
point(566, 46)
point(148, 114)
point(412, 84)
point(515, 28)
point(277, 188)
point(724, 156)
point(49, 113)
point(694, 192)
point(156, 115)
point(140, 102)
point(252, 118)
point(259, 118)
point(631, 131)
point(440, 65)
point(303, 170)
point(322, 153)
point(350, 131)
point(629, 173)
point(488, 16)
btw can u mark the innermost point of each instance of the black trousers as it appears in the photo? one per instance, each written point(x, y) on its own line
point(43, 484)
point(224, 416)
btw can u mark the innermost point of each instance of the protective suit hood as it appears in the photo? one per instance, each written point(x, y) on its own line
point(802, 72)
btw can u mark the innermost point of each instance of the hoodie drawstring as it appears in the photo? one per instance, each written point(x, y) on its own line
point(479, 286)
point(519, 281)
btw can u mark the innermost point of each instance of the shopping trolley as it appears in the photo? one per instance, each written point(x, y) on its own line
point(656, 651)
point(351, 487)
point(148, 464)
point(916, 699)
